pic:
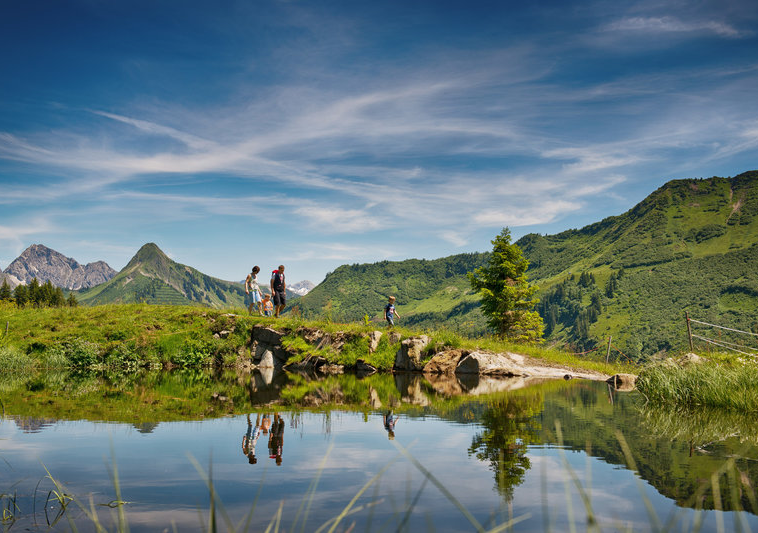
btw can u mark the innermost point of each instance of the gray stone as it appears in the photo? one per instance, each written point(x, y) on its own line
point(408, 357)
point(364, 368)
point(394, 337)
point(623, 382)
point(266, 360)
point(267, 335)
point(445, 362)
point(373, 340)
point(485, 363)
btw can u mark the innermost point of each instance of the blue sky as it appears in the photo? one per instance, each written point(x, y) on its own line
point(316, 134)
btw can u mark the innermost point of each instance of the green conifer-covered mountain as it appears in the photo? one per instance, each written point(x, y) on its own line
point(431, 293)
point(691, 245)
point(151, 277)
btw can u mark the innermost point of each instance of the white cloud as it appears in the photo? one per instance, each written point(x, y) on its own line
point(668, 24)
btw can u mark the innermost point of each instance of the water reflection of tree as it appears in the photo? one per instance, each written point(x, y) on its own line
point(509, 428)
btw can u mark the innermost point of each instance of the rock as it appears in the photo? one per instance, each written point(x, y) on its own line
point(373, 340)
point(267, 335)
point(408, 357)
point(224, 333)
point(623, 382)
point(335, 340)
point(266, 360)
point(394, 337)
point(364, 368)
point(495, 364)
point(445, 362)
point(310, 335)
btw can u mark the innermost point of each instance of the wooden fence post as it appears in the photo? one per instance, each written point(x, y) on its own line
point(608, 353)
point(689, 331)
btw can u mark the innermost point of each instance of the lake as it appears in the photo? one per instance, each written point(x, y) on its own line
point(548, 456)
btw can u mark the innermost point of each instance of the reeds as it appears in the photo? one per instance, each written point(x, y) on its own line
point(724, 386)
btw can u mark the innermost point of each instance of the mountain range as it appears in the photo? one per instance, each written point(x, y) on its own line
point(692, 245)
point(45, 264)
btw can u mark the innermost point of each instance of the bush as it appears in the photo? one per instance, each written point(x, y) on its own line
point(12, 360)
point(77, 352)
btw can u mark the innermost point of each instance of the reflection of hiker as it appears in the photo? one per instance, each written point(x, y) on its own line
point(276, 439)
point(268, 306)
point(265, 424)
point(278, 290)
point(389, 424)
point(253, 290)
point(251, 438)
point(389, 311)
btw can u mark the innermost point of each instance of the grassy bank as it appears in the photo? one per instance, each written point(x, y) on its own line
point(141, 335)
point(723, 382)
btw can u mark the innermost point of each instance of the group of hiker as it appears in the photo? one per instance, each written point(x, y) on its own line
point(275, 431)
point(273, 427)
point(266, 307)
point(270, 304)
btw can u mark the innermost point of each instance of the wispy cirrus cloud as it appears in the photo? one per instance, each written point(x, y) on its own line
point(670, 24)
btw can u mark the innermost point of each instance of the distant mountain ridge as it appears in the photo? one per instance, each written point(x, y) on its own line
point(152, 277)
point(302, 288)
point(44, 263)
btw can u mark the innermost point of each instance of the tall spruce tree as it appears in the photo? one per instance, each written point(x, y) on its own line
point(5, 291)
point(507, 298)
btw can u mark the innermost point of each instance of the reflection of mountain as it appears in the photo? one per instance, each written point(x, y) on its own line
point(146, 427)
point(30, 424)
point(678, 465)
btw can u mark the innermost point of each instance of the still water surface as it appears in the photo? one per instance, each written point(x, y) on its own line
point(537, 456)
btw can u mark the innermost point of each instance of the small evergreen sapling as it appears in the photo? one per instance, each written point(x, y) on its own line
point(507, 298)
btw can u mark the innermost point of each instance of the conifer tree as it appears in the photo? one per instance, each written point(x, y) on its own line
point(21, 295)
point(71, 301)
point(507, 298)
point(5, 291)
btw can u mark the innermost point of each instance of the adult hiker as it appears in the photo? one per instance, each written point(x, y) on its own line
point(278, 289)
point(253, 291)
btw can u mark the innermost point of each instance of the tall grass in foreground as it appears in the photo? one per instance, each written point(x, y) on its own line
point(216, 517)
point(708, 384)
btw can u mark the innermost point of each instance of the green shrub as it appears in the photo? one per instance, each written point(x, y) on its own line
point(384, 356)
point(78, 352)
point(353, 350)
point(12, 360)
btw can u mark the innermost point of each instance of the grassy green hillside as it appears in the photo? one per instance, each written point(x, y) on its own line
point(691, 245)
point(429, 293)
point(151, 277)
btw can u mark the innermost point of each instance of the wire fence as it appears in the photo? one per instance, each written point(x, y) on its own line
point(740, 346)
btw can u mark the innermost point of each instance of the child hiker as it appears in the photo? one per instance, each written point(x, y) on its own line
point(390, 312)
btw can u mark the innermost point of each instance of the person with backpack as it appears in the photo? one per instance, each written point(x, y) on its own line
point(278, 290)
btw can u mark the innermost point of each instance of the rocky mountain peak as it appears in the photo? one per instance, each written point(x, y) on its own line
point(39, 261)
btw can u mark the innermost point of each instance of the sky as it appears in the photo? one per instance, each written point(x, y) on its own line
point(315, 134)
